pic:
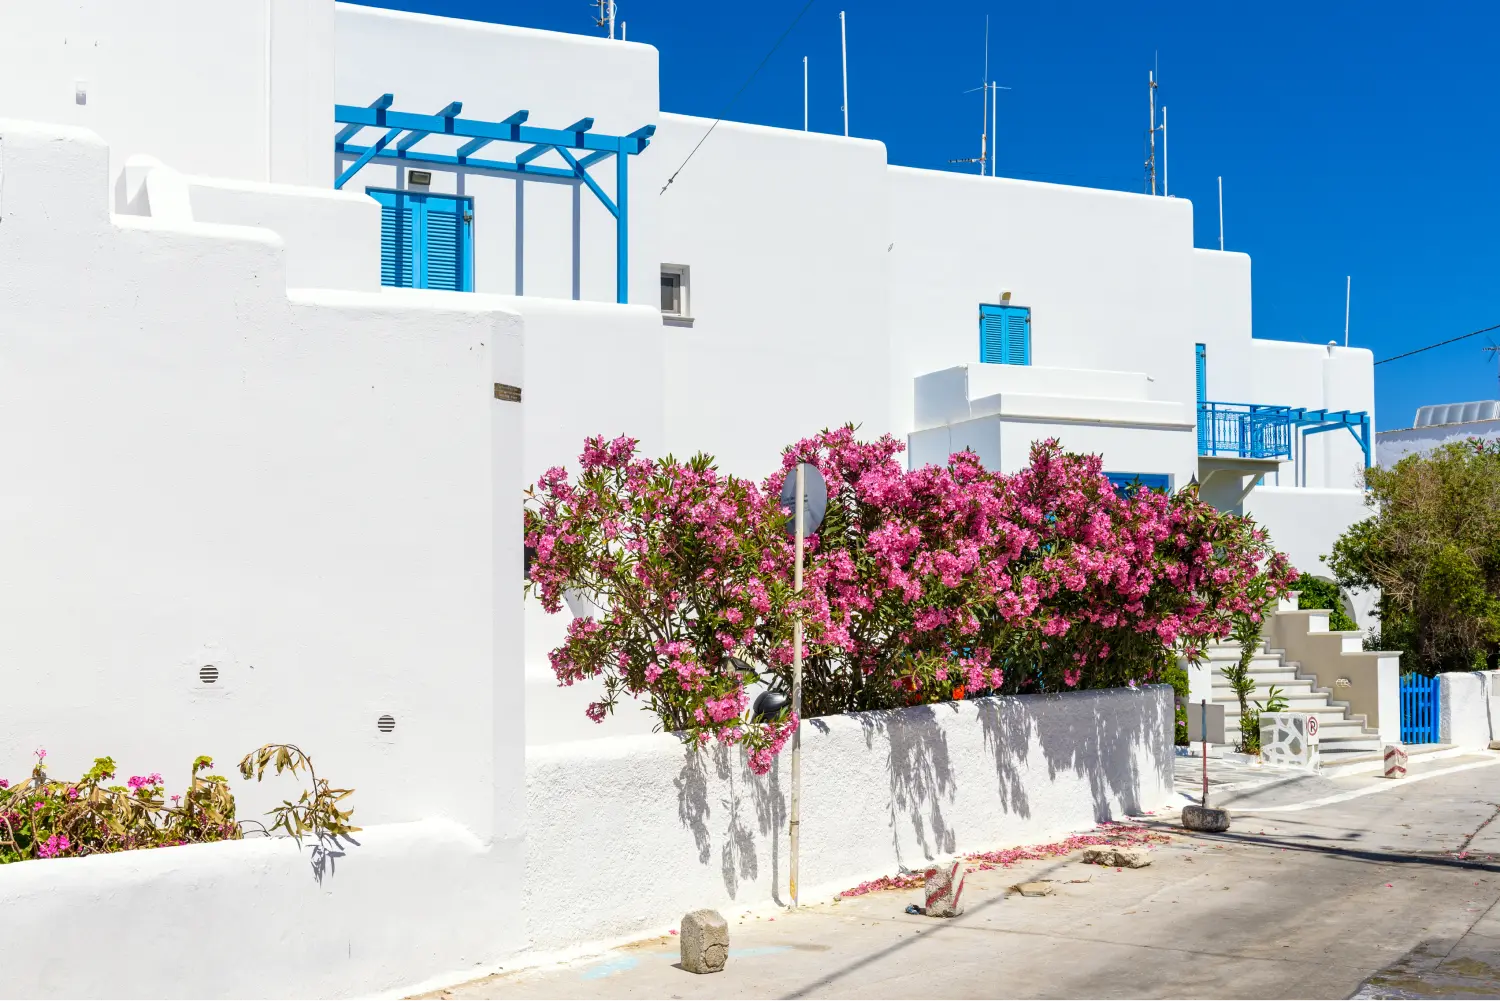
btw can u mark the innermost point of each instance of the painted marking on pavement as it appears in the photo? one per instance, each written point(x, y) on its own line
point(1384, 786)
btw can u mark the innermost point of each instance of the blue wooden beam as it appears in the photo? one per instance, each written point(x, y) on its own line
point(347, 132)
point(507, 131)
point(583, 175)
point(445, 159)
point(622, 234)
point(365, 157)
point(582, 125)
point(527, 155)
point(412, 138)
point(471, 147)
point(516, 119)
point(593, 158)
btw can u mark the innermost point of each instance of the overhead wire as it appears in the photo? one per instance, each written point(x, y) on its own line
point(1451, 340)
point(737, 94)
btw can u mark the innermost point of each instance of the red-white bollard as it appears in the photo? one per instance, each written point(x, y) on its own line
point(944, 887)
point(1395, 761)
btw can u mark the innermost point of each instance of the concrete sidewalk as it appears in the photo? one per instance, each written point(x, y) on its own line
point(1391, 887)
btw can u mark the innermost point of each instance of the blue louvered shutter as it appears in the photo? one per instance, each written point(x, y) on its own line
point(1005, 335)
point(444, 245)
point(1018, 336)
point(397, 240)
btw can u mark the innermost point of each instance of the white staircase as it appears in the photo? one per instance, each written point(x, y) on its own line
point(1340, 733)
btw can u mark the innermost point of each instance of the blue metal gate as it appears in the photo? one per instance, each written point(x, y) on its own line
point(1419, 709)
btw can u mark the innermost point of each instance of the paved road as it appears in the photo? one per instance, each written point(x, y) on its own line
point(1326, 888)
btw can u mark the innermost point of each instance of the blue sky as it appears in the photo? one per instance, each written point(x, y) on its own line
point(1354, 138)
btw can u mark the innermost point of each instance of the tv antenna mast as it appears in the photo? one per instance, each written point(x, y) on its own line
point(1494, 352)
point(1153, 81)
point(606, 16)
point(989, 114)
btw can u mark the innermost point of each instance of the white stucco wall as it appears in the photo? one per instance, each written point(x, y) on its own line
point(1393, 446)
point(1222, 324)
point(1464, 708)
point(785, 233)
point(234, 90)
point(1287, 373)
point(314, 494)
point(686, 829)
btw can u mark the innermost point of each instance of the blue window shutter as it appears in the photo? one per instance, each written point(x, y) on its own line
point(1018, 335)
point(1126, 484)
point(444, 245)
point(396, 239)
point(1005, 335)
point(1200, 354)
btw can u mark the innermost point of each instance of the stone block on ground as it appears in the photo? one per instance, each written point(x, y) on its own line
point(705, 941)
point(1395, 761)
point(1121, 858)
point(1289, 739)
point(945, 887)
point(1205, 818)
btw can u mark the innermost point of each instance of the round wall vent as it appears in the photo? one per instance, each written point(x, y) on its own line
point(208, 674)
point(385, 724)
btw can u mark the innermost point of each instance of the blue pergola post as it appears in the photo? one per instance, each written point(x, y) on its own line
point(622, 229)
point(577, 136)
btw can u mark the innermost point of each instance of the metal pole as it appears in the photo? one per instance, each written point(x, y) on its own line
point(622, 227)
point(1164, 189)
point(1151, 132)
point(1221, 211)
point(844, 48)
point(804, 93)
point(1348, 288)
point(611, 19)
point(797, 685)
point(1205, 753)
point(994, 127)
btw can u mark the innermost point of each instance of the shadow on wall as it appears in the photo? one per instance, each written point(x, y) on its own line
point(753, 804)
point(956, 777)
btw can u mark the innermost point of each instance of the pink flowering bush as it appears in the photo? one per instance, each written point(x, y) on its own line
point(920, 586)
point(42, 817)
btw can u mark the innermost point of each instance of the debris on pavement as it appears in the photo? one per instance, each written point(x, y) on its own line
point(1116, 857)
point(1036, 889)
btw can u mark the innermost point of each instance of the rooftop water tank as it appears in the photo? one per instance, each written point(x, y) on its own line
point(1457, 413)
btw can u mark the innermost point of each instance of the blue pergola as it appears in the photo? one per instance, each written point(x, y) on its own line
point(404, 130)
point(1257, 431)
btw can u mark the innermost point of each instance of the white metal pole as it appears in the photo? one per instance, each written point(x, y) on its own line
point(1349, 287)
point(844, 48)
point(1164, 189)
point(804, 93)
point(796, 824)
point(622, 31)
point(611, 19)
point(984, 111)
point(994, 128)
point(1221, 211)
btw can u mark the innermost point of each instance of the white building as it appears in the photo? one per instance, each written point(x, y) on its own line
point(1438, 425)
point(230, 444)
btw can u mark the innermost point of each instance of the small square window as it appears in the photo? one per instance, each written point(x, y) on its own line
point(675, 300)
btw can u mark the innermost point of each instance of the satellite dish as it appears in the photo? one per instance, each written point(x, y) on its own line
point(814, 499)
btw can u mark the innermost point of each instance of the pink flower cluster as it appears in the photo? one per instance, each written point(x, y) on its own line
point(54, 846)
point(139, 782)
point(921, 585)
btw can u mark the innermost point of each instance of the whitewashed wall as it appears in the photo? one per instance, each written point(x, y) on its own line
point(685, 829)
point(237, 90)
point(1222, 324)
point(314, 494)
point(1292, 374)
point(534, 237)
point(1393, 446)
point(785, 233)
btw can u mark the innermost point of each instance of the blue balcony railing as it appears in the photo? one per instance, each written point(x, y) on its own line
point(1257, 431)
point(1244, 431)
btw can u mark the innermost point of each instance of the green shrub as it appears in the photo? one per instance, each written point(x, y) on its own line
point(1319, 593)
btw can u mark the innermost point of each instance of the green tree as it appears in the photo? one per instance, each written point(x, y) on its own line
point(1433, 549)
point(1314, 592)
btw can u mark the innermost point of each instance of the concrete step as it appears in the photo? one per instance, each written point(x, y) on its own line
point(1307, 703)
point(1262, 684)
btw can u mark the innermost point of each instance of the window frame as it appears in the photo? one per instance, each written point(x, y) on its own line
point(684, 314)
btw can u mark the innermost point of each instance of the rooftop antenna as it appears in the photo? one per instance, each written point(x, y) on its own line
point(606, 16)
point(1151, 135)
point(1494, 352)
point(988, 115)
point(804, 93)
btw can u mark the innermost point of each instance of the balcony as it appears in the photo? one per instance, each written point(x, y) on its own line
point(1244, 431)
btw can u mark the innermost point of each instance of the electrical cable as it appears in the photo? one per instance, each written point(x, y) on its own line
point(736, 97)
point(1451, 340)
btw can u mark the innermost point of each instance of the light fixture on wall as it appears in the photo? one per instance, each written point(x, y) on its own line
point(1005, 298)
point(419, 178)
